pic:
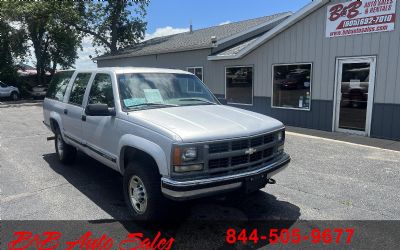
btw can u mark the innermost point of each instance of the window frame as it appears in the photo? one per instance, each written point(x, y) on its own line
point(252, 84)
point(71, 86)
point(272, 85)
point(202, 78)
point(197, 67)
point(93, 77)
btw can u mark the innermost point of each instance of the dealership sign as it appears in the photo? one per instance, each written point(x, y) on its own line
point(360, 17)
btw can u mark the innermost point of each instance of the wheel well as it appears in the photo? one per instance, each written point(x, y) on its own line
point(54, 125)
point(132, 154)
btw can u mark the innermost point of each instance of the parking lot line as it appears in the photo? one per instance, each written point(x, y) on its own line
point(338, 141)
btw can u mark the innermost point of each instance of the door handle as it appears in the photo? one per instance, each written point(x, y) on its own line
point(83, 118)
point(66, 111)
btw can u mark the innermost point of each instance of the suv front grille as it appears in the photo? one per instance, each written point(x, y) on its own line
point(233, 154)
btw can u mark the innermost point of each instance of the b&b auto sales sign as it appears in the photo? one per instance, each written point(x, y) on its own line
point(360, 17)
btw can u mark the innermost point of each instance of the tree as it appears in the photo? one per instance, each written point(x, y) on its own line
point(54, 44)
point(12, 47)
point(113, 24)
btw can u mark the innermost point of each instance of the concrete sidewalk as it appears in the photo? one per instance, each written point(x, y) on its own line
point(348, 138)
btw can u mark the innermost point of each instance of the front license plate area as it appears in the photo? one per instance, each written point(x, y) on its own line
point(254, 183)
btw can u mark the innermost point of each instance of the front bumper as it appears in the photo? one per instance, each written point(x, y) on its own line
point(184, 190)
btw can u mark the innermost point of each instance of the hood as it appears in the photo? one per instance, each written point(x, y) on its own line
point(208, 122)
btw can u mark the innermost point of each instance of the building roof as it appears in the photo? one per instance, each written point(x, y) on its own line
point(243, 48)
point(197, 39)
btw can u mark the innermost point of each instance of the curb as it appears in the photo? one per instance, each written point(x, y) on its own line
point(20, 103)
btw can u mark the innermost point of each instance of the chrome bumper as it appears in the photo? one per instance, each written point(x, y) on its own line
point(183, 190)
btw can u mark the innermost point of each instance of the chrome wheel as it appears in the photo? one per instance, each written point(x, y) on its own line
point(137, 194)
point(60, 146)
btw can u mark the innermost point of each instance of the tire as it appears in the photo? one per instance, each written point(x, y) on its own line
point(66, 153)
point(142, 192)
point(14, 96)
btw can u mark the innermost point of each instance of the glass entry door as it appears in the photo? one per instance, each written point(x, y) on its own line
point(354, 95)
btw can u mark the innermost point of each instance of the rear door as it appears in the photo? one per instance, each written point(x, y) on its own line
point(73, 111)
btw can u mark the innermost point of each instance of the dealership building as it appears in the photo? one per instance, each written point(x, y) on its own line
point(333, 65)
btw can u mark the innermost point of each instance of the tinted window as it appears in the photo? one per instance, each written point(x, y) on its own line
point(78, 88)
point(239, 85)
point(101, 91)
point(58, 85)
point(292, 86)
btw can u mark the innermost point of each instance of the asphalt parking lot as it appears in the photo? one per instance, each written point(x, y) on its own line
point(327, 180)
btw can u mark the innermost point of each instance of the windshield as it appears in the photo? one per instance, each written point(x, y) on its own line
point(155, 90)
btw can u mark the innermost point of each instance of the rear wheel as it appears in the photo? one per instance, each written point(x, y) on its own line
point(65, 153)
point(142, 192)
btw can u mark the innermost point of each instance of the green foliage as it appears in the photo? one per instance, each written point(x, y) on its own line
point(113, 24)
point(53, 43)
point(12, 47)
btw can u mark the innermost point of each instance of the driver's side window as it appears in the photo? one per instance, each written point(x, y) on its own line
point(101, 91)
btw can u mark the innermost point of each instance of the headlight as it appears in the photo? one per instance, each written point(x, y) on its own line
point(281, 135)
point(189, 154)
point(182, 156)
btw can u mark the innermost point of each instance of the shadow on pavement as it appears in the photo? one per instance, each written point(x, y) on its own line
point(201, 222)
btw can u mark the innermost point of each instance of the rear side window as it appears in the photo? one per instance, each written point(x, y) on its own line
point(78, 88)
point(101, 91)
point(58, 85)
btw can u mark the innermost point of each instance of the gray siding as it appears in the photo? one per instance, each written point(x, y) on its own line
point(304, 42)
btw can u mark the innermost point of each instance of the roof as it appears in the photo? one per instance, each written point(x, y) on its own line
point(243, 48)
point(128, 70)
point(197, 39)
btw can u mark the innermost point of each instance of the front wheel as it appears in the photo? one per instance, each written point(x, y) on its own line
point(65, 153)
point(142, 192)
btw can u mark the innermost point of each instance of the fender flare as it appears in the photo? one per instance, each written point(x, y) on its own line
point(56, 116)
point(149, 147)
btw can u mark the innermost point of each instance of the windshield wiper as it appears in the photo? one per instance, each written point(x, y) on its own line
point(196, 99)
point(152, 104)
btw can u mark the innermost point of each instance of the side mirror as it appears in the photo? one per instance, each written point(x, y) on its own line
point(99, 110)
point(223, 101)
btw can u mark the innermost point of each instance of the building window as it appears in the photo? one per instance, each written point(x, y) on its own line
point(239, 85)
point(197, 71)
point(292, 86)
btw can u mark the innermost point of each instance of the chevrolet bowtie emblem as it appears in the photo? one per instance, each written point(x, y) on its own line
point(250, 151)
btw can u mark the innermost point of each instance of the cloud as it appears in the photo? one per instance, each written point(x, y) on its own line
point(165, 31)
point(88, 50)
point(226, 22)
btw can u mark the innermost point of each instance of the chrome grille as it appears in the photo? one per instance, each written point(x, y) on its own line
point(233, 154)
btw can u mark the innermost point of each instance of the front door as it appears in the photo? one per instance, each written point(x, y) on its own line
point(354, 94)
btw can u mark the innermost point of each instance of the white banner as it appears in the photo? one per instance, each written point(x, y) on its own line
point(360, 17)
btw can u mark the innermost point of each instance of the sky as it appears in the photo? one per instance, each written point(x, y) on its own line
point(166, 17)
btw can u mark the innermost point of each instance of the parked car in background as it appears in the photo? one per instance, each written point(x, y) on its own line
point(167, 142)
point(7, 91)
point(39, 92)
